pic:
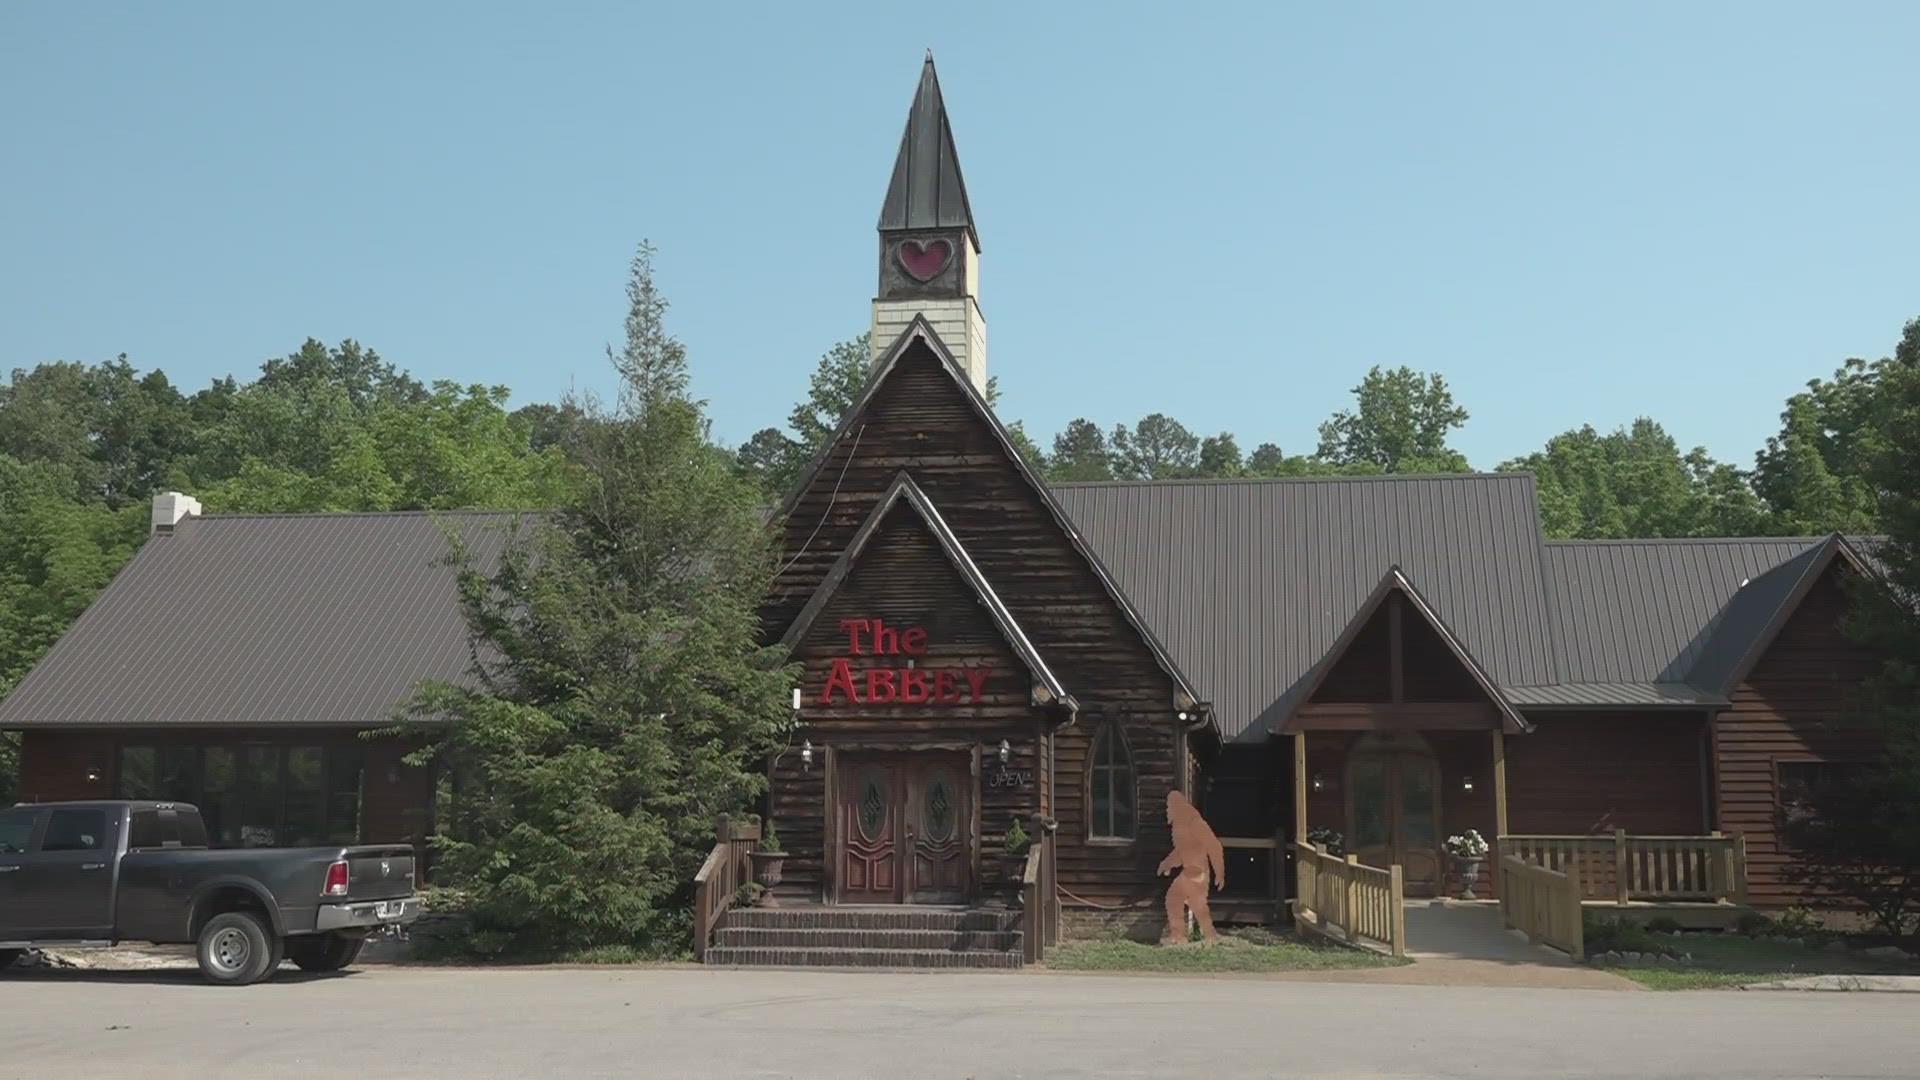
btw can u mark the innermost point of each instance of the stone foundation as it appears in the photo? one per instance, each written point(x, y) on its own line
point(1144, 924)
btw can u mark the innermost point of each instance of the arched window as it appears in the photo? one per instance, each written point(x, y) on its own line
point(1110, 784)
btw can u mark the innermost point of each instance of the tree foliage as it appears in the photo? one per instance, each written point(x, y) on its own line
point(1635, 482)
point(1400, 423)
point(624, 699)
point(1862, 840)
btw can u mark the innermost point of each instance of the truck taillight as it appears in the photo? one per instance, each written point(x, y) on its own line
point(336, 879)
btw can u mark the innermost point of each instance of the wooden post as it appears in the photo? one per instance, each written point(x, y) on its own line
point(1300, 787)
point(1277, 869)
point(1396, 653)
point(1399, 914)
point(1577, 934)
point(1352, 904)
point(1620, 864)
point(1499, 784)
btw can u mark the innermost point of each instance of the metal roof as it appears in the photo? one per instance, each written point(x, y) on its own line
point(299, 619)
point(1614, 695)
point(927, 191)
point(1645, 611)
point(1248, 583)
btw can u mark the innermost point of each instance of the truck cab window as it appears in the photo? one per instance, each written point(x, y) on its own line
point(75, 829)
point(144, 833)
point(16, 828)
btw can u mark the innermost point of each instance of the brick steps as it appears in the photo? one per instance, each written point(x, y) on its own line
point(734, 937)
point(868, 937)
point(863, 958)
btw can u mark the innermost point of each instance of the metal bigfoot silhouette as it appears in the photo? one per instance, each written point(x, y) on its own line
point(1195, 849)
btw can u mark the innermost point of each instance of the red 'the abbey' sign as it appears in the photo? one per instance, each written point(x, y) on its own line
point(907, 685)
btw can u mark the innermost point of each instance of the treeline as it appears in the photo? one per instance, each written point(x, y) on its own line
point(84, 446)
point(1811, 478)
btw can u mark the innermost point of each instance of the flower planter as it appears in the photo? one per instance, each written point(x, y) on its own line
point(1469, 870)
point(766, 868)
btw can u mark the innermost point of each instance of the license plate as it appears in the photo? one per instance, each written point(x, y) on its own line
point(389, 910)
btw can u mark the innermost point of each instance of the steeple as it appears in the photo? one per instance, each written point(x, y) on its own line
point(929, 248)
point(927, 191)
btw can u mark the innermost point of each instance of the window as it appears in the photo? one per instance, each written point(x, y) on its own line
point(73, 829)
point(252, 796)
point(144, 832)
point(16, 828)
point(1111, 783)
point(1799, 785)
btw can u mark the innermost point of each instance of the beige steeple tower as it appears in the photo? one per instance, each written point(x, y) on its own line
point(929, 249)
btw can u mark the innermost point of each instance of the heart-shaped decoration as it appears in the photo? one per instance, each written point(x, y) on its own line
point(923, 262)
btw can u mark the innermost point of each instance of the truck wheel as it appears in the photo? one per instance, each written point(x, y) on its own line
point(325, 952)
point(235, 949)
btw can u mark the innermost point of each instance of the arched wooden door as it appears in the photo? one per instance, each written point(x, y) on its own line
point(1393, 808)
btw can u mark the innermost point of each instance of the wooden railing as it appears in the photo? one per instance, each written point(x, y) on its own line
point(1040, 898)
point(1361, 901)
point(1543, 904)
point(726, 869)
point(1624, 868)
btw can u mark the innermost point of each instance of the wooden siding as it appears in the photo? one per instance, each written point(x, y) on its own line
point(1597, 772)
point(920, 421)
point(905, 580)
point(1429, 670)
point(1793, 706)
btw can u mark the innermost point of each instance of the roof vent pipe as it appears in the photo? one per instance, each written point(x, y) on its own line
point(169, 508)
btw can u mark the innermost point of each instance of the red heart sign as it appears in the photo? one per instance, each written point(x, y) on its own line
point(924, 261)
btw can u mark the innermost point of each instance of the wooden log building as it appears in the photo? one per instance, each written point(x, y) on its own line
point(1396, 659)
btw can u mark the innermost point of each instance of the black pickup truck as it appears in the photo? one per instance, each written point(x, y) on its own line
point(107, 872)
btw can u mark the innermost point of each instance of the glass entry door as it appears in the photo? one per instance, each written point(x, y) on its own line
point(1393, 809)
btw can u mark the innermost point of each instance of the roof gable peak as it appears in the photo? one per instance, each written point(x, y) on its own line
point(927, 190)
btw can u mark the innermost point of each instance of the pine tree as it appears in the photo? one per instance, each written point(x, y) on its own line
point(624, 699)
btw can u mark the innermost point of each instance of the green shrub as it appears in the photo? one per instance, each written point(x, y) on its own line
point(1798, 921)
point(1017, 841)
point(1754, 924)
point(770, 839)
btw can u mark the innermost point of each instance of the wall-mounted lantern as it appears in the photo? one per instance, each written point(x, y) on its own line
point(1319, 782)
point(1466, 785)
point(806, 756)
point(796, 699)
point(93, 774)
point(1006, 751)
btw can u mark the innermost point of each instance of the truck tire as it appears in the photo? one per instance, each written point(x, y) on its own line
point(236, 949)
point(325, 952)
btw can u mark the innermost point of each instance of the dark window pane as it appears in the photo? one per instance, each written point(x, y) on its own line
point(76, 830)
point(1123, 804)
point(139, 771)
point(218, 801)
point(144, 831)
point(344, 768)
point(184, 830)
point(303, 799)
point(1102, 804)
point(259, 791)
point(178, 773)
point(1112, 784)
point(16, 828)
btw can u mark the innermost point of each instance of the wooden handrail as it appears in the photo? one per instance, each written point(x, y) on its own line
point(1543, 904)
point(1359, 901)
point(1625, 868)
point(726, 868)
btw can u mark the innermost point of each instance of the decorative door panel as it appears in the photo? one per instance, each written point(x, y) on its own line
point(1393, 809)
point(869, 827)
point(939, 833)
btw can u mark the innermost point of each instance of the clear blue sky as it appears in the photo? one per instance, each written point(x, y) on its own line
point(1577, 213)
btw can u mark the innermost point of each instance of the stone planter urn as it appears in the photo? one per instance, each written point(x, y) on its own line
point(1469, 870)
point(766, 867)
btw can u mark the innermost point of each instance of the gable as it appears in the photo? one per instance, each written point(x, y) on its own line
point(1812, 641)
point(920, 416)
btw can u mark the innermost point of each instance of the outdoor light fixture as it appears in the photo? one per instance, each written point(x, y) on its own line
point(796, 699)
point(806, 753)
point(1466, 784)
point(1319, 782)
point(1005, 751)
point(93, 774)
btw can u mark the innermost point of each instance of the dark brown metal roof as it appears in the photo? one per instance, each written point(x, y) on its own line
point(308, 619)
point(1248, 583)
point(927, 191)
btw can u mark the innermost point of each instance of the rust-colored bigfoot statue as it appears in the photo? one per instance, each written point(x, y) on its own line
point(1195, 849)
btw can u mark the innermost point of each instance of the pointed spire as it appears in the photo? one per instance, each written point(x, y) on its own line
point(927, 191)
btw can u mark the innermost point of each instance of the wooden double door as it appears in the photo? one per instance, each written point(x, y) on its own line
point(1393, 809)
point(904, 829)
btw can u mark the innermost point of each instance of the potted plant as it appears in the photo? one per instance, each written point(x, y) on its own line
point(1469, 850)
point(767, 860)
point(1327, 840)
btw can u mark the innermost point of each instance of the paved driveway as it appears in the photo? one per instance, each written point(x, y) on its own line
point(563, 1023)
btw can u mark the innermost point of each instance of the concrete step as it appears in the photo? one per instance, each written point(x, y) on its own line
point(863, 958)
point(870, 918)
point(742, 937)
